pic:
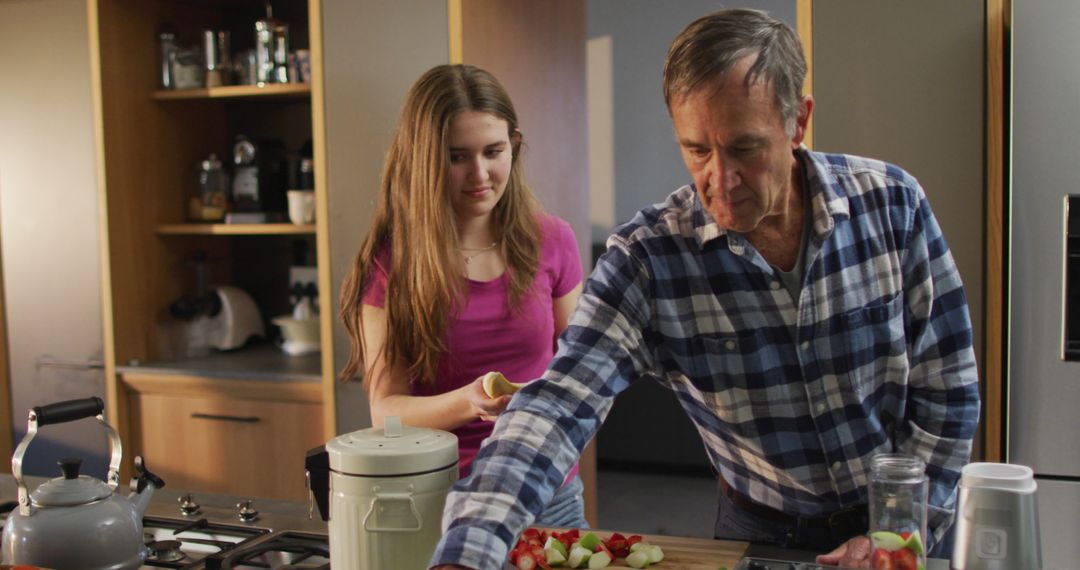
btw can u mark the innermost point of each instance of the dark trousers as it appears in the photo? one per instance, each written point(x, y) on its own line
point(736, 523)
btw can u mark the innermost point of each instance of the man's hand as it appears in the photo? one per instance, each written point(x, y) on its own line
point(855, 553)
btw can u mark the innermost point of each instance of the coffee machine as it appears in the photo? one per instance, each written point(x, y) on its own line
point(259, 179)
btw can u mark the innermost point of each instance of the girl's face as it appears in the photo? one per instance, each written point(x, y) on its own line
point(480, 158)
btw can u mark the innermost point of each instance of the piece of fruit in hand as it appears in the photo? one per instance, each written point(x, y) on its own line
point(495, 385)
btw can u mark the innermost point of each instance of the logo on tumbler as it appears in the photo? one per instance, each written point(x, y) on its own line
point(990, 543)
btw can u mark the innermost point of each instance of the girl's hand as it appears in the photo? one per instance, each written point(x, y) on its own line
point(487, 409)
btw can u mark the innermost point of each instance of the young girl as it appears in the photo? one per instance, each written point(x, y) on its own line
point(461, 272)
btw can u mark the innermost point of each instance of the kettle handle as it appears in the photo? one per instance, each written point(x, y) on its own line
point(61, 412)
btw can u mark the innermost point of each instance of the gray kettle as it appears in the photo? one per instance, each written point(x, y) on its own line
point(76, 521)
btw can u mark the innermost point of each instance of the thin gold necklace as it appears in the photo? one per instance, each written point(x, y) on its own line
point(478, 250)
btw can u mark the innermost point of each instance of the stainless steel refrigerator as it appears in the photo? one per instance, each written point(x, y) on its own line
point(1044, 341)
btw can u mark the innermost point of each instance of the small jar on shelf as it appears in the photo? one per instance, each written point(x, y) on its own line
point(210, 200)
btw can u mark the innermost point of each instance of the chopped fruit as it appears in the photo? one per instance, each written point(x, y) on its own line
point(881, 559)
point(887, 540)
point(555, 557)
point(599, 559)
point(495, 385)
point(526, 561)
point(914, 544)
point(556, 544)
point(537, 549)
point(578, 557)
point(589, 541)
point(905, 560)
point(617, 545)
point(638, 559)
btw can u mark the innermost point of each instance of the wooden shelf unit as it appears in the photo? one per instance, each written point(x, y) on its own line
point(148, 143)
point(236, 229)
point(284, 90)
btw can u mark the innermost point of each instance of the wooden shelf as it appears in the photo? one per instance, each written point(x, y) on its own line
point(235, 229)
point(284, 90)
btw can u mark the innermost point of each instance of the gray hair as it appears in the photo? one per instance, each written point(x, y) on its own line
point(712, 44)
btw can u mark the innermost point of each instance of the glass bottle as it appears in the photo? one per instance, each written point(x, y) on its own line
point(166, 54)
point(211, 200)
point(898, 494)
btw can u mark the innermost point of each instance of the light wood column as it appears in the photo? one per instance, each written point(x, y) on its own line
point(998, 87)
point(804, 24)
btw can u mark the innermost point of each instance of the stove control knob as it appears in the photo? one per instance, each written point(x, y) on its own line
point(188, 506)
point(247, 512)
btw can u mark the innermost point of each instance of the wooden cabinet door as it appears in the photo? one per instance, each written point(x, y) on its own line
point(223, 445)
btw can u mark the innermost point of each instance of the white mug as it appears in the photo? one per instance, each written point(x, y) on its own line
point(301, 206)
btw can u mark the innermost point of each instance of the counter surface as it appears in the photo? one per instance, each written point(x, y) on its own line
point(680, 553)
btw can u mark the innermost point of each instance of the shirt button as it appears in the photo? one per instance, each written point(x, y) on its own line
point(820, 408)
point(774, 285)
point(730, 345)
point(805, 345)
point(836, 466)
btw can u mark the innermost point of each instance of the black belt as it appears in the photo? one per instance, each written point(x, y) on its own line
point(839, 525)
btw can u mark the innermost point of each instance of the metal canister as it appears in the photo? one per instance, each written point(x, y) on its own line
point(386, 489)
point(217, 57)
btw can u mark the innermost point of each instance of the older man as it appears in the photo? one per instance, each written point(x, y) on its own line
point(804, 307)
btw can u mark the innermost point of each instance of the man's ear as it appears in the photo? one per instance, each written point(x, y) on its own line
point(802, 120)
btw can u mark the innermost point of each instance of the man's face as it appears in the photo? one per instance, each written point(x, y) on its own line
point(734, 144)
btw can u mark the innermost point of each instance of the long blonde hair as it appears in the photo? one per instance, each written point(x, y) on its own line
point(415, 221)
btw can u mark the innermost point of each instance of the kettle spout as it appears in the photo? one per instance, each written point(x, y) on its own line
point(142, 486)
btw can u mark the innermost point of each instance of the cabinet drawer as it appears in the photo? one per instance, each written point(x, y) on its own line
point(251, 448)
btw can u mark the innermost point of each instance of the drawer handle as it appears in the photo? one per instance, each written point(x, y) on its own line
point(241, 419)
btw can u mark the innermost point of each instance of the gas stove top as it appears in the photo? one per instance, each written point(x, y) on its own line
point(217, 538)
point(203, 544)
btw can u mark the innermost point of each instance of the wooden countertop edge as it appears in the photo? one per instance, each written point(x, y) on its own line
point(197, 386)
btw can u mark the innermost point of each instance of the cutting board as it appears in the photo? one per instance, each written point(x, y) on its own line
point(681, 553)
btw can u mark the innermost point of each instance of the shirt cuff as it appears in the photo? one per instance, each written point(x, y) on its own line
point(470, 547)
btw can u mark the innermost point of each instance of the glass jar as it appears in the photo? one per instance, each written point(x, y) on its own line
point(211, 197)
point(898, 494)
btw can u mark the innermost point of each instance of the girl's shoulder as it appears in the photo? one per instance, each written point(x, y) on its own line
point(554, 229)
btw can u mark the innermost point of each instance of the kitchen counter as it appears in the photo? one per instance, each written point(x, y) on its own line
point(680, 553)
point(258, 362)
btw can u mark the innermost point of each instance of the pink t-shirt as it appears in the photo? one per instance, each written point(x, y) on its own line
point(487, 335)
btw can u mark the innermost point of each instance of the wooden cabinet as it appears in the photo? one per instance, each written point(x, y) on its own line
point(149, 143)
point(245, 438)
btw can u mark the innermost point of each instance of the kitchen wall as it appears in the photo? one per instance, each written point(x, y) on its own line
point(369, 65)
point(49, 224)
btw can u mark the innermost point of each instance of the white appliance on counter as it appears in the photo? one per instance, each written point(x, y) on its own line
point(1043, 369)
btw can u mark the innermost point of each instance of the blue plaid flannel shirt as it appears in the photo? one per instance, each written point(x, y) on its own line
point(791, 399)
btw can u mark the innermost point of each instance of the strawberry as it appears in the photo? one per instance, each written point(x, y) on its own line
point(881, 559)
point(905, 559)
point(617, 545)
